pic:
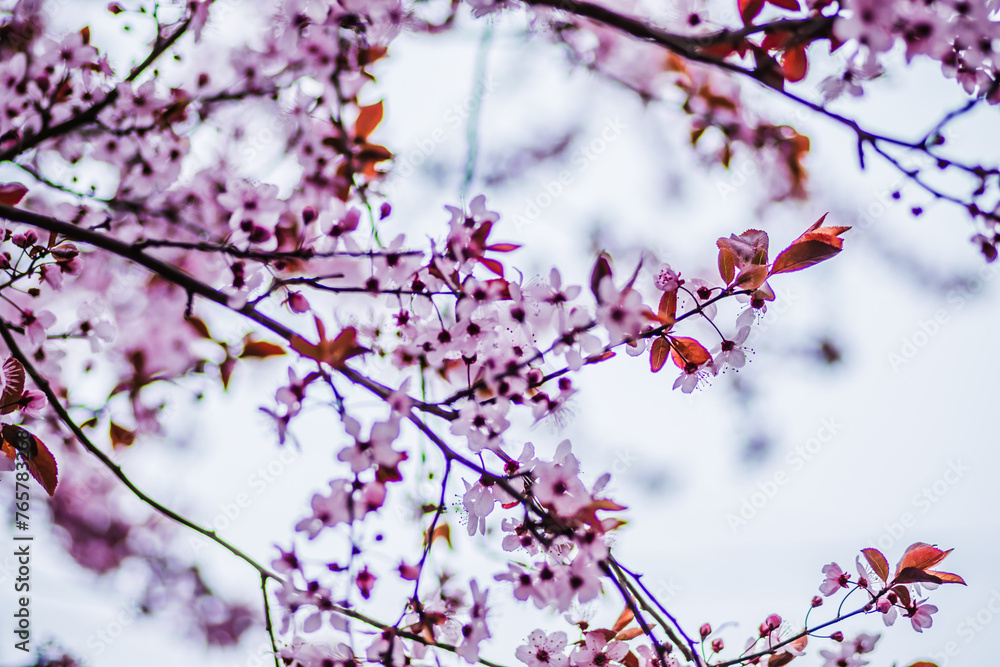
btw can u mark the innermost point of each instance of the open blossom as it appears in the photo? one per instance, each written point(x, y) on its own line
point(693, 374)
point(667, 279)
point(920, 615)
point(730, 352)
point(835, 579)
point(621, 313)
point(844, 656)
point(543, 650)
point(475, 631)
point(597, 651)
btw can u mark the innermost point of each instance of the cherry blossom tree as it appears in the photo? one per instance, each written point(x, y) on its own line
point(140, 232)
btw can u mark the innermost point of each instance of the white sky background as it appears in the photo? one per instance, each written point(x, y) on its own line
point(681, 464)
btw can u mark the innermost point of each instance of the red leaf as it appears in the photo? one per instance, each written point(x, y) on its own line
point(199, 326)
point(658, 354)
point(12, 193)
point(602, 269)
point(41, 464)
point(226, 370)
point(947, 577)
point(599, 357)
point(903, 593)
point(912, 575)
point(368, 119)
point(667, 311)
point(752, 277)
point(921, 556)
point(503, 247)
point(630, 660)
point(624, 619)
point(794, 64)
point(749, 9)
point(261, 349)
point(878, 562)
point(750, 247)
point(13, 385)
point(120, 436)
point(688, 350)
point(441, 532)
point(493, 265)
point(335, 352)
point(792, 5)
point(727, 265)
point(802, 255)
point(924, 663)
point(819, 244)
point(626, 635)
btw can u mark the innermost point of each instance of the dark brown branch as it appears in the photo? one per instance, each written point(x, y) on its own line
point(166, 271)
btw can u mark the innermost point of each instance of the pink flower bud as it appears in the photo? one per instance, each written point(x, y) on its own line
point(298, 303)
point(837, 636)
point(717, 645)
point(817, 601)
point(705, 630)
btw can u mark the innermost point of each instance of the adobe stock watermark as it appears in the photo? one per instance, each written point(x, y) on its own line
point(796, 459)
point(970, 628)
point(259, 480)
point(99, 641)
point(582, 158)
point(927, 329)
point(922, 502)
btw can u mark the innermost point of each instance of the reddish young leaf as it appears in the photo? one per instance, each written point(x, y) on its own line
point(792, 5)
point(199, 326)
point(878, 562)
point(624, 619)
point(921, 556)
point(924, 663)
point(599, 357)
point(913, 575)
point(727, 265)
point(261, 349)
point(749, 10)
point(12, 193)
point(658, 354)
point(802, 255)
point(628, 634)
point(903, 593)
point(602, 270)
point(226, 369)
point(815, 245)
point(493, 265)
point(947, 577)
point(750, 247)
point(335, 352)
point(368, 119)
point(503, 247)
point(441, 532)
point(752, 277)
point(630, 660)
point(13, 385)
point(794, 64)
point(688, 350)
point(667, 310)
point(120, 436)
point(41, 464)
